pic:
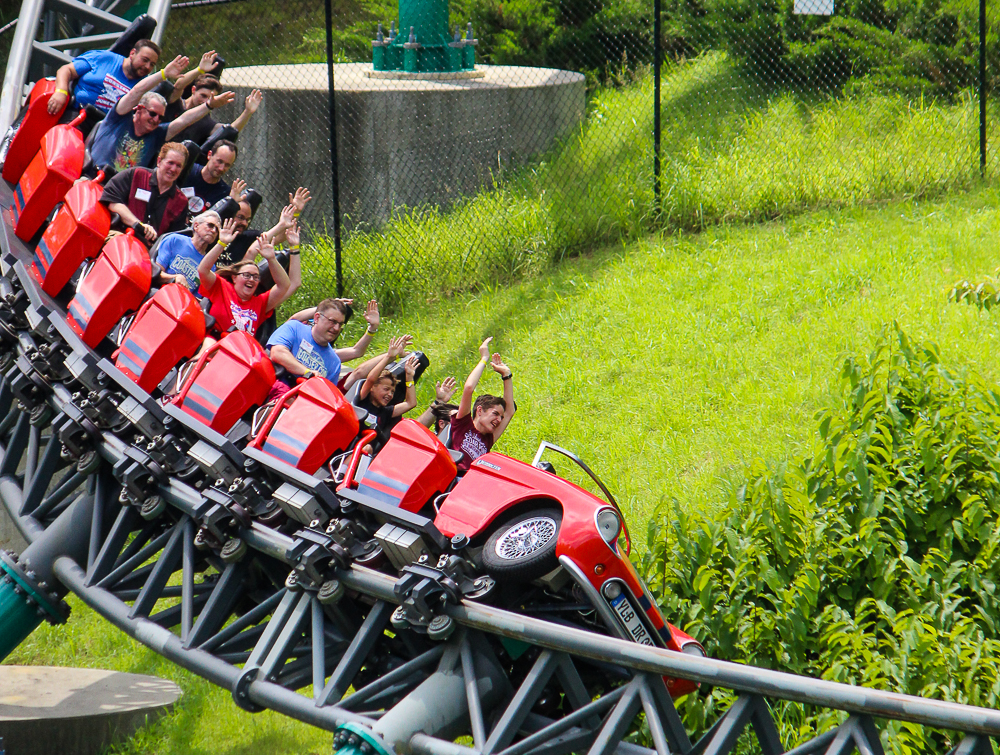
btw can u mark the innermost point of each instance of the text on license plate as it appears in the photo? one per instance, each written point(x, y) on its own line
point(633, 624)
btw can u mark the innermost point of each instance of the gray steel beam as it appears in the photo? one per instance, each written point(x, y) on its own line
point(18, 61)
point(160, 10)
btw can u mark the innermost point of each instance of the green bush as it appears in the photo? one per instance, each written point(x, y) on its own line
point(874, 561)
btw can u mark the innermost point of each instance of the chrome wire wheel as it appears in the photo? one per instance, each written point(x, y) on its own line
point(525, 538)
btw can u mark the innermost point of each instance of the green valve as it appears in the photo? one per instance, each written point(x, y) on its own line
point(355, 739)
point(423, 43)
point(23, 605)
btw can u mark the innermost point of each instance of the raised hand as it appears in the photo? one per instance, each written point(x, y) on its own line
point(253, 100)
point(228, 232)
point(444, 390)
point(176, 67)
point(239, 189)
point(266, 248)
point(410, 367)
point(221, 99)
point(207, 61)
point(484, 348)
point(292, 234)
point(497, 364)
point(300, 198)
point(372, 316)
point(397, 346)
point(287, 216)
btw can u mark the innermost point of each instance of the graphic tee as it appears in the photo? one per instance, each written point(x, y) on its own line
point(102, 79)
point(201, 194)
point(230, 310)
point(177, 254)
point(384, 421)
point(467, 439)
point(116, 143)
point(297, 338)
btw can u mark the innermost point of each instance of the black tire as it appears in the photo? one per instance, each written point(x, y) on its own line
point(520, 556)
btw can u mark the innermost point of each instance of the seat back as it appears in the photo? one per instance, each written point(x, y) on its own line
point(411, 468)
point(310, 424)
point(169, 327)
point(76, 234)
point(231, 377)
point(48, 177)
point(117, 284)
point(33, 126)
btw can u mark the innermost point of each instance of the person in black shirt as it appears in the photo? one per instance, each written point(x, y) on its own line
point(204, 185)
point(203, 88)
point(379, 387)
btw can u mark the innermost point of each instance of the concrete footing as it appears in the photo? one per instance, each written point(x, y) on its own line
point(402, 141)
point(45, 710)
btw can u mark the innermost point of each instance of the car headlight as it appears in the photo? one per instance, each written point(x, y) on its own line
point(693, 648)
point(609, 525)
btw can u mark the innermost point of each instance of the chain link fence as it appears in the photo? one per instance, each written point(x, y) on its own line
point(479, 145)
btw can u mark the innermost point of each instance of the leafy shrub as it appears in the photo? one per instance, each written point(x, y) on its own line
point(985, 294)
point(874, 561)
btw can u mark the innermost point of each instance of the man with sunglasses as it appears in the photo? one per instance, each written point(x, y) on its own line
point(133, 132)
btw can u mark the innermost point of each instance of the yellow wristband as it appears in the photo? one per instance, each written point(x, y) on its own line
point(484, 360)
point(163, 73)
point(223, 244)
point(198, 69)
point(62, 91)
point(409, 383)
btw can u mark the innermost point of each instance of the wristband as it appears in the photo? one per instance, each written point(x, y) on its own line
point(136, 224)
point(484, 360)
point(307, 374)
point(409, 383)
point(508, 376)
point(199, 70)
point(296, 213)
point(163, 73)
point(294, 254)
point(370, 331)
point(208, 104)
point(62, 91)
point(223, 244)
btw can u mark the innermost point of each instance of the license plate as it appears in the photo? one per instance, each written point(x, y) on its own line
point(630, 618)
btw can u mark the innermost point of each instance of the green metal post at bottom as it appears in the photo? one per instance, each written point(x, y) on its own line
point(18, 618)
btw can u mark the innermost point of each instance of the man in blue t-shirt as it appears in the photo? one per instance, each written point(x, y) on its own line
point(103, 77)
point(179, 255)
point(132, 133)
point(306, 351)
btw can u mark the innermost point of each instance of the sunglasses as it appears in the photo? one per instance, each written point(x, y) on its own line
point(151, 113)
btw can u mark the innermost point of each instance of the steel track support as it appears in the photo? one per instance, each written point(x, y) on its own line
point(748, 709)
point(524, 699)
point(165, 566)
point(354, 657)
point(857, 732)
point(972, 744)
point(220, 602)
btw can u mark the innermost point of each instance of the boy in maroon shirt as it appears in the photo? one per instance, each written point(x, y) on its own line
point(475, 428)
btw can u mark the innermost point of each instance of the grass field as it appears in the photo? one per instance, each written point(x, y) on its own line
point(669, 364)
point(732, 151)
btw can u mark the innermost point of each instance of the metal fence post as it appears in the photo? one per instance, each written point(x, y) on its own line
point(657, 63)
point(334, 168)
point(982, 87)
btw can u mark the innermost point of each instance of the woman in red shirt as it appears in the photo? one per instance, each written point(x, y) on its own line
point(232, 290)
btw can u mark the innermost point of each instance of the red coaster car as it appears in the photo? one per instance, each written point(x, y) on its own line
point(230, 378)
point(552, 547)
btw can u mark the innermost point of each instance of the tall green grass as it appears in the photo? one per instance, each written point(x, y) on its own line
point(731, 151)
